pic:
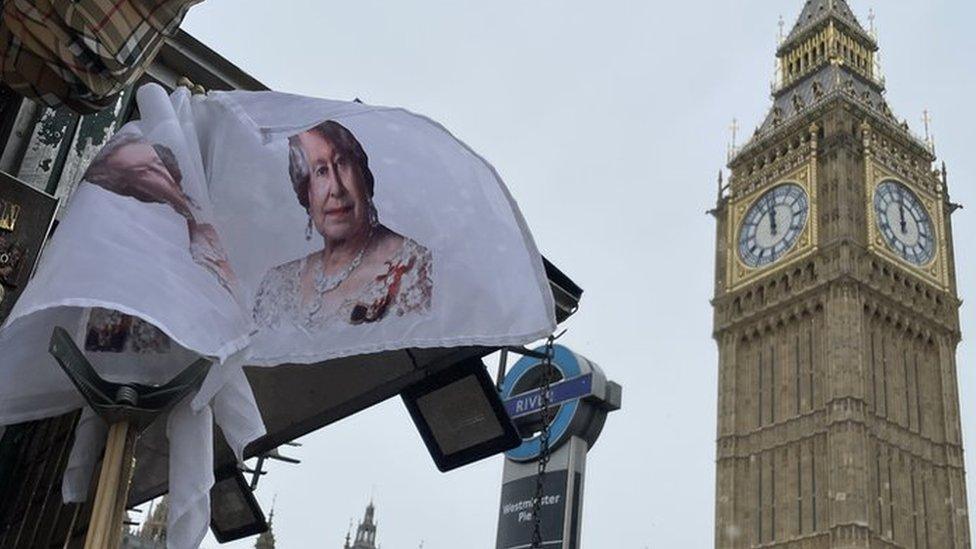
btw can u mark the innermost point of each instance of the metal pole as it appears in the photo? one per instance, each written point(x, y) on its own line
point(502, 366)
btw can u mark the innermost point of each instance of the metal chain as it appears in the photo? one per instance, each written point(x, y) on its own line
point(543, 446)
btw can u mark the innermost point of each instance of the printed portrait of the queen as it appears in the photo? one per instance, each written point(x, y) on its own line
point(364, 272)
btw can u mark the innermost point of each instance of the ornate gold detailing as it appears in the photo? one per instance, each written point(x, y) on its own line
point(893, 155)
point(830, 45)
point(9, 212)
point(929, 192)
point(774, 164)
point(739, 273)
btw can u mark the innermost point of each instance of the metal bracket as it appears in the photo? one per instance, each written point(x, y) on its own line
point(258, 471)
point(526, 352)
point(136, 403)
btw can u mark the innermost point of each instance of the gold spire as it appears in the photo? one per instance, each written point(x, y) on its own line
point(927, 123)
point(734, 130)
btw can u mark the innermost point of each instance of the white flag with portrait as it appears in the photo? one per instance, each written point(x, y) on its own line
point(266, 228)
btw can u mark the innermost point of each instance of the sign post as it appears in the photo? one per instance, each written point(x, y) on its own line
point(580, 400)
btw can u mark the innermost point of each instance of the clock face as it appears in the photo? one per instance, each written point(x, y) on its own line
point(773, 225)
point(904, 222)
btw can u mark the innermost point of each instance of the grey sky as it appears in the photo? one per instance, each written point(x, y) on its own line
point(608, 121)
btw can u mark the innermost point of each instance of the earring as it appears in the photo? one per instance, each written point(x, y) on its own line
point(374, 218)
point(308, 229)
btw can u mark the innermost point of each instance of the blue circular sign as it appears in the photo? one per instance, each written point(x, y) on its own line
point(568, 365)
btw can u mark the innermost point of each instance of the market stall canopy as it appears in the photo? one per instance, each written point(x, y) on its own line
point(82, 53)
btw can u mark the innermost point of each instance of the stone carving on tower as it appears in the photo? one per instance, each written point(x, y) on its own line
point(836, 315)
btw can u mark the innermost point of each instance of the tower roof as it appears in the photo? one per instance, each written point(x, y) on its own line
point(366, 531)
point(267, 539)
point(816, 12)
point(827, 56)
point(830, 81)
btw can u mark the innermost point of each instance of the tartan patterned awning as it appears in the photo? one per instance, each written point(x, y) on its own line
point(82, 53)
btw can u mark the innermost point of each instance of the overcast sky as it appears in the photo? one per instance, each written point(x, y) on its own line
point(608, 121)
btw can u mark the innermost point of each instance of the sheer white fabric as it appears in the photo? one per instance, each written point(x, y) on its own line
point(221, 278)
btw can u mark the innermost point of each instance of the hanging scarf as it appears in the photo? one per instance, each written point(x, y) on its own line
point(82, 53)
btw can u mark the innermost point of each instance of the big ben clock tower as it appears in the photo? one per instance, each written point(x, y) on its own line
point(836, 315)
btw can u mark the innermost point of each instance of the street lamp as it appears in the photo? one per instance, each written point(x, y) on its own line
point(234, 511)
point(460, 416)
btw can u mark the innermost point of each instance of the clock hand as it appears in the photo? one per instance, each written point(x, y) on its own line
point(901, 211)
point(772, 220)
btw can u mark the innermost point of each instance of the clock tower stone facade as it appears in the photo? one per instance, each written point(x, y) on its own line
point(836, 315)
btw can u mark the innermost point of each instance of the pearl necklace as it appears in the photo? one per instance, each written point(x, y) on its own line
point(324, 283)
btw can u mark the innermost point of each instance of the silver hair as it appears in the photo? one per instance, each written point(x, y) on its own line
point(298, 166)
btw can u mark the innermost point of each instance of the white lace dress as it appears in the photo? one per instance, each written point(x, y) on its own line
point(405, 288)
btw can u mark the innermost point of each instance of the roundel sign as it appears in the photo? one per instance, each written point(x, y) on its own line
point(576, 382)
